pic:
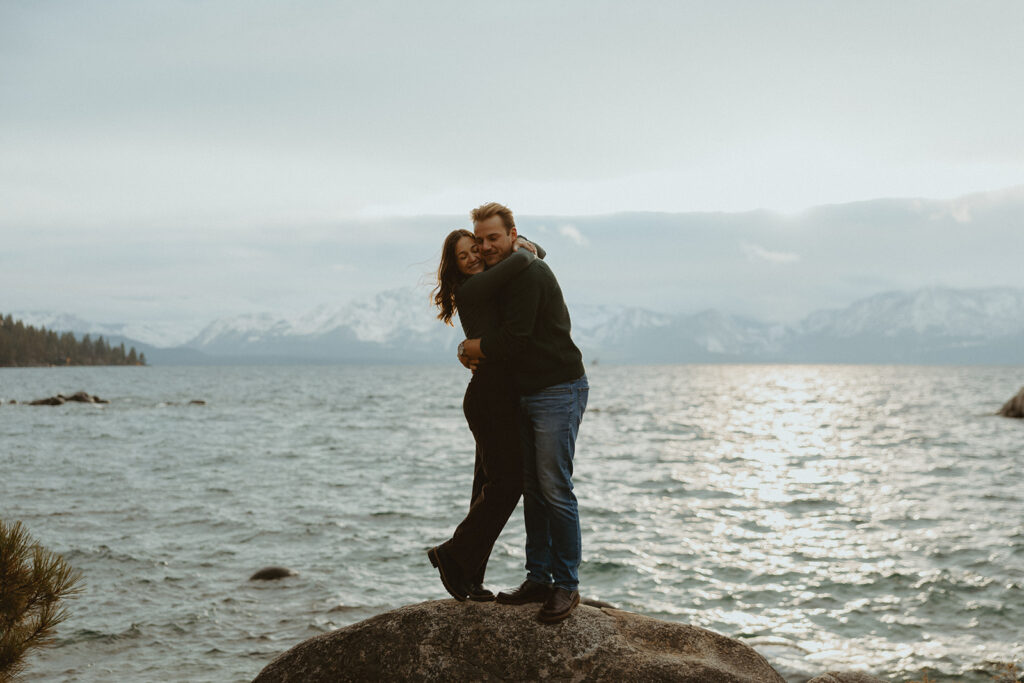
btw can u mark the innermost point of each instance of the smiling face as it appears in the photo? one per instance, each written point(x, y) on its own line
point(467, 256)
point(494, 239)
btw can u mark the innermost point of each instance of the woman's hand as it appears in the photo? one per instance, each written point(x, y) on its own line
point(523, 243)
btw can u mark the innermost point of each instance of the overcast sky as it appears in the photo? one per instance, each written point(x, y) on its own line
point(176, 126)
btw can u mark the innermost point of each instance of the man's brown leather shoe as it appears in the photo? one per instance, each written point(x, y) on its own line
point(559, 605)
point(528, 591)
point(477, 593)
point(451, 575)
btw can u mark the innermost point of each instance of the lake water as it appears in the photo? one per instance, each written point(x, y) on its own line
point(851, 517)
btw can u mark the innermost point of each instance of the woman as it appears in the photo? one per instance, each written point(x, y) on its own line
point(491, 406)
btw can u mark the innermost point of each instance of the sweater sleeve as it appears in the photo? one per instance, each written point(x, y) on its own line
point(540, 250)
point(511, 338)
point(485, 285)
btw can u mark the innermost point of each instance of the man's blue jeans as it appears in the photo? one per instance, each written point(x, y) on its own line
point(550, 422)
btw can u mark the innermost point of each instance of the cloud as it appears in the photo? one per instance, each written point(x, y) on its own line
point(959, 210)
point(754, 252)
point(573, 233)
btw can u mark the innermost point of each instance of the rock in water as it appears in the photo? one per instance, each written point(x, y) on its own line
point(1015, 406)
point(57, 400)
point(61, 399)
point(485, 641)
point(271, 573)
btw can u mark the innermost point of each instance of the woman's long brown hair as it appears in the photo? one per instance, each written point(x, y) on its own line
point(449, 277)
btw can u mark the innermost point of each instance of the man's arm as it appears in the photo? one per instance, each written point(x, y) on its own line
point(470, 350)
point(512, 335)
point(533, 247)
point(485, 285)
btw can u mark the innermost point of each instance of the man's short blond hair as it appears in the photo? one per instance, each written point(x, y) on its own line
point(485, 211)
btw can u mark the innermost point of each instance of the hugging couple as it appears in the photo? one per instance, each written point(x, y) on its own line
point(524, 405)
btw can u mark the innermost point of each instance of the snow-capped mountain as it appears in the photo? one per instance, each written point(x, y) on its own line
point(400, 324)
point(602, 327)
point(923, 326)
point(977, 313)
point(934, 325)
point(631, 334)
point(396, 325)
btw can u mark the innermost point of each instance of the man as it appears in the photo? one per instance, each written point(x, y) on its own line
point(534, 337)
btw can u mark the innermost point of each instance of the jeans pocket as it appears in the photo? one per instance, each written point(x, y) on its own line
point(581, 400)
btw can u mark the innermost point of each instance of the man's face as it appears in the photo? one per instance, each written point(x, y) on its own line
point(495, 243)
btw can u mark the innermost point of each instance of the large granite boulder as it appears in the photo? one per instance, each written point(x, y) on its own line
point(469, 641)
point(1015, 406)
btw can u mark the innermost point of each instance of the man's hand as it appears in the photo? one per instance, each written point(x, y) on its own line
point(469, 353)
point(468, 363)
point(523, 243)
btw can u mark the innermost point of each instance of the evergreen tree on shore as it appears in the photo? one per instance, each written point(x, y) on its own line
point(25, 346)
point(33, 582)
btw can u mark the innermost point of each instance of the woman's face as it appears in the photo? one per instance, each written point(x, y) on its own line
point(467, 256)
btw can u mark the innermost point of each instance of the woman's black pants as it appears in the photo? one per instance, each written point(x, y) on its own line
point(491, 406)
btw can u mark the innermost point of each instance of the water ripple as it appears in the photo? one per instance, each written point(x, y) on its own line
point(836, 516)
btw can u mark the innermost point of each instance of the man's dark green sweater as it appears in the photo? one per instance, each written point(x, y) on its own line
point(534, 331)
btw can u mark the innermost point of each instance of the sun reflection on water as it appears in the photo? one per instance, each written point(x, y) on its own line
point(799, 501)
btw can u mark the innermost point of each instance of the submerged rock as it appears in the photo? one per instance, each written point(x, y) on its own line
point(57, 400)
point(449, 640)
point(61, 399)
point(272, 573)
point(1015, 406)
point(83, 397)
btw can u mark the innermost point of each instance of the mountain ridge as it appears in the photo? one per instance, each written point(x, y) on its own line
point(927, 325)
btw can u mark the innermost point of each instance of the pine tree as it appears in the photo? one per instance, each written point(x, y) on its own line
point(87, 348)
point(24, 345)
point(33, 582)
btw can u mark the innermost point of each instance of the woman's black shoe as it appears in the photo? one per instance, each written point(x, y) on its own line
point(477, 593)
point(451, 575)
point(528, 591)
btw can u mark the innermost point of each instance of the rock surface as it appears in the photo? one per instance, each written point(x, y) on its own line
point(57, 400)
point(594, 602)
point(61, 399)
point(468, 641)
point(271, 573)
point(83, 397)
point(1015, 406)
point(845, 677)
